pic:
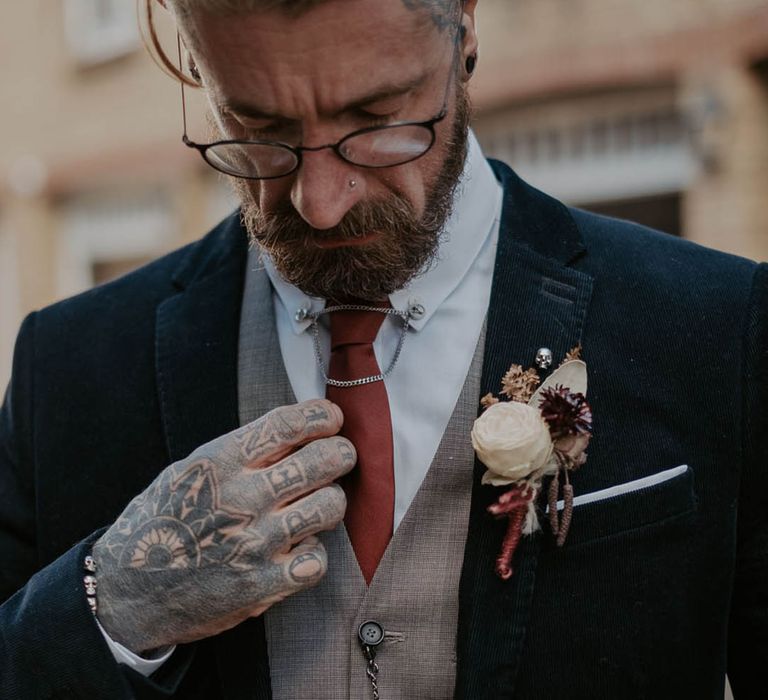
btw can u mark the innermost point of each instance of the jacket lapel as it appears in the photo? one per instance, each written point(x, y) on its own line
point(537, 300)
point(196, 349)
point(196, 343)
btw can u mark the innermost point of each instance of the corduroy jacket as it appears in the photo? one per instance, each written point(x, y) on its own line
point(657, 593)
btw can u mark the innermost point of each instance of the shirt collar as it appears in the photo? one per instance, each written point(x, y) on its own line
point(477, 206)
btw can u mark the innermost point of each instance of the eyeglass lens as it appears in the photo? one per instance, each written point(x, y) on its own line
point(374, 148)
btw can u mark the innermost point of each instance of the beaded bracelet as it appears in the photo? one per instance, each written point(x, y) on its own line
point(89, 581)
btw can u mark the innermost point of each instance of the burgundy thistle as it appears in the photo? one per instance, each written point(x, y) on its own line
point(565, 413)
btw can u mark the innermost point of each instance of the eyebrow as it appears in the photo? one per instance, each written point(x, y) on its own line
point(387, 92)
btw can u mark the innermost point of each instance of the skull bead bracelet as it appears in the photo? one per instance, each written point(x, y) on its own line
point(89, 582)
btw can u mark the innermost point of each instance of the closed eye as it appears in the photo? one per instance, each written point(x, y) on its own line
point(377, 119)
point(268, 132)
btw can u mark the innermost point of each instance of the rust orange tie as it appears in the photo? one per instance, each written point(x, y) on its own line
point(370, 487)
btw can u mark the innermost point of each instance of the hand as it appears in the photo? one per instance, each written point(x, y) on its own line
point(227, 532)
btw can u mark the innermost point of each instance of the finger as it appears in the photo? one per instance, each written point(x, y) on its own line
point(281, 431)
point(305, 571)
point(310, 468)
point(305, 565)
point(321, 510)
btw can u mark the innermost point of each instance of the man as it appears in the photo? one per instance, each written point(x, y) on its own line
point(377, 282)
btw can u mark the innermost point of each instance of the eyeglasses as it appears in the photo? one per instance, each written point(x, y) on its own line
point(383, 146)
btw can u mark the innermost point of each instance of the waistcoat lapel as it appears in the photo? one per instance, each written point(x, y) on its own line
point(262, 380)
point(537, 300)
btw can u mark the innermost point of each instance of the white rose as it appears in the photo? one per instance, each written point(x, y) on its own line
point(513, 441)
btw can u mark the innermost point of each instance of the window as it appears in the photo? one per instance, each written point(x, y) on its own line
point(100, 30)
point(620, 146)
point(103, 234)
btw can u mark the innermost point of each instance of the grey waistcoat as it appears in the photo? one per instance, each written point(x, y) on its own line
point(314, 652)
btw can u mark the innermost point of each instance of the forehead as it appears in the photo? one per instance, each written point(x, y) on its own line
point(336, 50)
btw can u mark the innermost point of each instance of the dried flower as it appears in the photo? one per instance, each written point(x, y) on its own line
point(488, 400)
point(573, 354)
point(566, 413)
point(572, 450)
point(519, 384)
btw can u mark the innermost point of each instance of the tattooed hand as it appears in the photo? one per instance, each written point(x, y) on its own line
point(226, 533)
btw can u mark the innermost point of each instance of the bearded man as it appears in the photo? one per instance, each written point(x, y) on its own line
point(380, 278)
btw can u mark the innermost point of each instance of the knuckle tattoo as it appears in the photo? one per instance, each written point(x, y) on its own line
point(288, 423)
point(277, 429)
point(286, 478)
point(346, 449)
point(298, 523)
point(257, 441)
point(314, 414)
point(306, 567)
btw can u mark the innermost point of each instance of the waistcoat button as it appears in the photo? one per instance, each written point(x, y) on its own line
point(371, 633)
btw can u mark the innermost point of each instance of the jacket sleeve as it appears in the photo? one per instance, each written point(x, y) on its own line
point(748, 634)
point(50, 645)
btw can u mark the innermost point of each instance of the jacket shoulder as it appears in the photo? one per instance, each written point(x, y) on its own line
point(607, 238)
point(122, 306)
point(636, 257)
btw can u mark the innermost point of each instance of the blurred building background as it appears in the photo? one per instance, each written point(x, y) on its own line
point(652, 110)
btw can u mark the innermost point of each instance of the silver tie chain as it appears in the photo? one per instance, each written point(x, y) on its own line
point(372, 671)
point(405, 315)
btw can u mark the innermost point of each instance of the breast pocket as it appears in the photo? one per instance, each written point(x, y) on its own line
point(614, 604)
point(662, 496)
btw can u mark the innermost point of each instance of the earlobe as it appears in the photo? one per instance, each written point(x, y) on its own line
point(469, 45)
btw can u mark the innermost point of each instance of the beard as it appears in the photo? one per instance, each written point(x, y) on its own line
point(406, 244)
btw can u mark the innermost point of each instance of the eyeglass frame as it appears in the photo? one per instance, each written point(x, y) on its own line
point(298, 151)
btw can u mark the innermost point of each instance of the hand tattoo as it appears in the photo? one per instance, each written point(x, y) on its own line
point(286, 478)
point(178, 523)
point(277, 429)
point(225, 533)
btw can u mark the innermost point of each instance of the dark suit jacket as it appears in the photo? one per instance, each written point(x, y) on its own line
point(656, 592)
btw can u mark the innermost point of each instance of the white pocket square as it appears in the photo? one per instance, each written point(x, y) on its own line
point(627, 487)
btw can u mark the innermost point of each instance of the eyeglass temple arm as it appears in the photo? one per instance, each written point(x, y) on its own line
point(183, 95)
point(460, 34)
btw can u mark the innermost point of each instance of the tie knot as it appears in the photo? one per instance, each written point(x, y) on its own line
point(356, 327)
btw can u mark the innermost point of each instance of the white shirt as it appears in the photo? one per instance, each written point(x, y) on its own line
point(438, 348)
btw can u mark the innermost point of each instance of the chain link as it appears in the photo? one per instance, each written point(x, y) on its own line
point(372, 671)
point(345, 384)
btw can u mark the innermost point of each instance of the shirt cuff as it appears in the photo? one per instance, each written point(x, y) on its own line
point(140, 664)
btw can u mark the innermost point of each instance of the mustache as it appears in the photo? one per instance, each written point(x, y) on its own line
point(286, 225)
